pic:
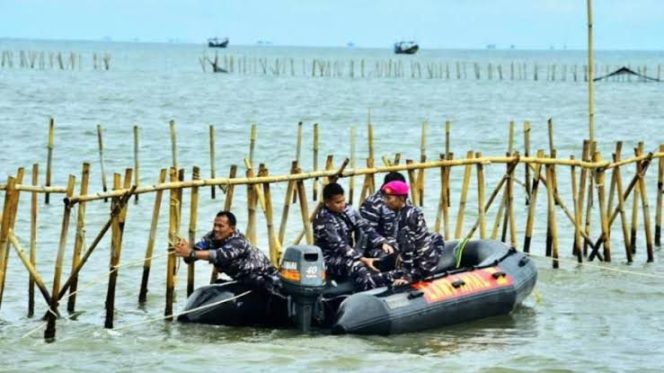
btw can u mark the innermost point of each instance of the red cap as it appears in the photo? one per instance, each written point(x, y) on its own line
point(396, 188)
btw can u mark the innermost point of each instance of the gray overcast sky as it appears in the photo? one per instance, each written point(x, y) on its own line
point(534, 24)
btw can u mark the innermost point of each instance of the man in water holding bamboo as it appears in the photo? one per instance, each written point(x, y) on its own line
point(381, 218)
point(334, 226)
point(230, 252)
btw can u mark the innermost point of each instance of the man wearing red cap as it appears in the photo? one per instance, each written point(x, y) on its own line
point(419, 249)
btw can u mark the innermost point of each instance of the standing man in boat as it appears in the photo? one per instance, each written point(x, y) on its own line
point(381, 218)
point(334, 225)
point(419, 249)
point(230, 252)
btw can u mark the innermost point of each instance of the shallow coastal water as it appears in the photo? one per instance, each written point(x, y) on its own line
point(600, 317)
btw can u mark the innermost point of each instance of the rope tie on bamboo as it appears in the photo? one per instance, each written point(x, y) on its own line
point(596, 266)
point(184, 312)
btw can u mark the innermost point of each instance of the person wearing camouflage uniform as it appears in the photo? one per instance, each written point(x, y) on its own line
point(334, 226)
point(380, 217)
point(230, 252)
point(419, 249)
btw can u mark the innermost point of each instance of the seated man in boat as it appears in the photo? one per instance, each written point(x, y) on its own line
point(381, 218)
point(334, 225)
point(230, 252)
point(419, 250)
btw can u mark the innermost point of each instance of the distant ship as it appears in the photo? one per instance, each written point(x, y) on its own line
point(217, 43)
point(406, 47)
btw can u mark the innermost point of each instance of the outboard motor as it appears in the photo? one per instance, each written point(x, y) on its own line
point(302, 275)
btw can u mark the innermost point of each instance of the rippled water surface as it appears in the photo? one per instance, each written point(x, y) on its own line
point(599, 317)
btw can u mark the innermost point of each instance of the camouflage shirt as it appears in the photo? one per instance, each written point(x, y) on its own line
point(419, 250)
point(333, 233)
point(381, 219)
point(236, 257)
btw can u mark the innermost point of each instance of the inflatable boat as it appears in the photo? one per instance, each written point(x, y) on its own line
point(474, 280)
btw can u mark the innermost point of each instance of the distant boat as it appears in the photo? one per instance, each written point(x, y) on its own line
point(406, 47)
point(217, 43)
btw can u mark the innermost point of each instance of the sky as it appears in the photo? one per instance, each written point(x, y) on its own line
point(471, 24)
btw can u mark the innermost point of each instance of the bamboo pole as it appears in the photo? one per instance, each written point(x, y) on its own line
point(137, 165)
point(412, 180)
point(351, 187)
point(193, 218)
point(49, 156)
point(646, 211)
point(298, 146)
point(448, 129)
point(635, 211)
point(213, 171)
point(100, 142)
point(273, 243)
point(49, 334)
point(526, 153)
point(80, 237)
point(174, 152)
point(601, 196)
point(304, 211)
point(532, 206)
point(173, 224)
point(142, 295)
point(315, 162)
point(252, 143)
point(11, 199)
point(252, 199)
point(589, 201)
point(660, 194)
point(510, 208)
point(462, 200)
point(617, 182)
point(371, 159)
point(510, 138)
point(34, 212)
point(591, 76)
point(442, 199)
point(448, 199)
point(284, 212)
point(576, 247)
point(423, 159)
point(553, 227)
point(228, 204)
point(38, 280)
point(480, 197)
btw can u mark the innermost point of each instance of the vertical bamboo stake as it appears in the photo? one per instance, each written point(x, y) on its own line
point(142, 295)
point(442, 200)
point(351, 187)
point(423, 158)
point(371, 160)
point(412, 180)
point(448, 128)
point(193, 218)
point(34, 211)
point(589, 204)
point(635, 212)
point(510, 138)
point(174, 151)
point(137, 166)
point(480, 197)
point(526, 153)
point(213, 172)
point(646, 208)
point(252, 200)
point(591, 89)
point(49, 334)
point(660, 194)
point(510, 207)
point(284, 212)
point(172, 238)
point(576, 247)
point(275, 249)
point(532, 206)
point(100, 141)
point(11, 198)
point(582, 187)
point(228, 204)
point(304, 211)
point(553, 227)
point(49, 156)
point(80, 237)
point(601, 196)
point(117, 230)
point(617, 179)
point(446, 207)
point(298, 147)
point(252, 143)
point(315, 161)
point(464, 195)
